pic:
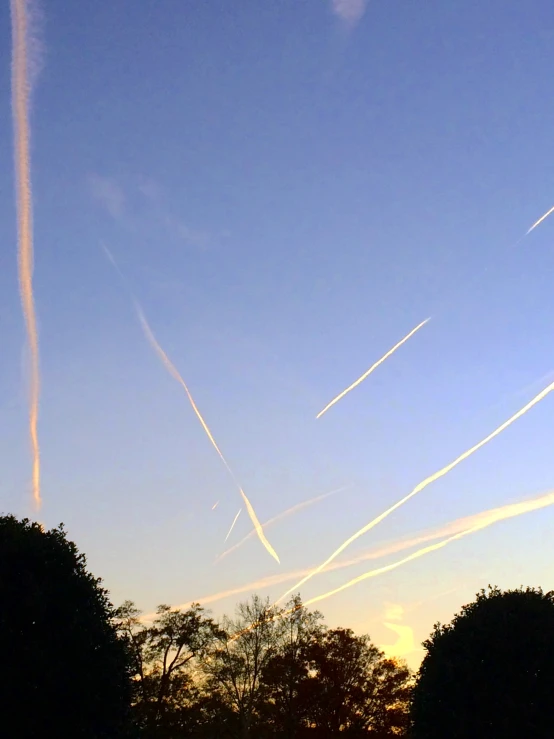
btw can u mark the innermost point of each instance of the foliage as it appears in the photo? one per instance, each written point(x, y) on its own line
point(65, 669)
point(491, 671)
point(166, 695)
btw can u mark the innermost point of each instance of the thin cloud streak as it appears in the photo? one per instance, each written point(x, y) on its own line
point(482, 522)
point(174, 372)
point(453, 529)
point(373, 367)
point(423, 484)
point(235, 519)
point(21, 91)
point(285, 514)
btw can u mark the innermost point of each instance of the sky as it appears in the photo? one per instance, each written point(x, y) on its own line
point(288, 189)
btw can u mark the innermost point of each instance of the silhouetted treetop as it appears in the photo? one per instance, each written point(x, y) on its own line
point(490, 672)
point(65, 671)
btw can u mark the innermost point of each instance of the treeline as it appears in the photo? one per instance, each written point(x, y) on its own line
point(265, 673)
point(75, 666)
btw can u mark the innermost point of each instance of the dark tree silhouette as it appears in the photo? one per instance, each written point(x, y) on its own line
point(490, 673)
point(164, 656)
point(353, 690)
point(64, 669)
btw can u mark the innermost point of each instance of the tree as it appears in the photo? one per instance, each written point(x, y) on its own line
point(353, 689)
point(234, 668)
point(490, 673)
point(65, 670)
point(166, 698)
point(286, 671)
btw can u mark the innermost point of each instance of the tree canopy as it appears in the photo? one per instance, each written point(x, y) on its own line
point(490, 672)
point(65, 671)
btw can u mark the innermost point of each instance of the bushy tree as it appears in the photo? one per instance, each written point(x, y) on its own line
point(353, 690)
point(490, 673)
point(167, 699)
point(65, 672)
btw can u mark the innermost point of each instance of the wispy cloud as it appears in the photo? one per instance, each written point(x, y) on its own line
point(175, 226)
point(109, 194)
point(141, 203)
point(349, 11)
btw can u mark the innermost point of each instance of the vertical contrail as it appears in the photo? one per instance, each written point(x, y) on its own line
point(235, 519)
point(373, 367)
point(21, 89)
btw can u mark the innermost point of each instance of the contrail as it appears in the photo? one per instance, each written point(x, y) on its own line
point(233, 525)
point(541, 219)
point(175, 374)
point(21, 89)
point(476, 520)
point(279, 517)
point(173, 371)
point(215, 505)
point(422, 485)
point(494, 516)
point(498, 514)
point(373, 367)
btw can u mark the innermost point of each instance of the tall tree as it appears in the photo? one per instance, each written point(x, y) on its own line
point(287, 670)
point(490, 672)
point(165, 673)
point(65, 670)
point(234, 669)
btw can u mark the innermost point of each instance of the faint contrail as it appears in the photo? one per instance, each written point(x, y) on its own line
point(233, 525)
point(541, 219)
point(373, 367)
point(279, 517)
point(420, 486)
point(215, 505)
point(175, 374)
point(494, 516)
point(173, 371)
point(477, 520)
point(21, 89)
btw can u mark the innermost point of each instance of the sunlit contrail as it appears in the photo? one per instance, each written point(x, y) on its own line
point(279, 517)
point(175, 374)
point(233, 525)
point(21, 89)
point(215, 505)
point(481, 521)
point(541, 219)
point(477, 520)
point(372, 368)
point(499, 514)
point(420, 486)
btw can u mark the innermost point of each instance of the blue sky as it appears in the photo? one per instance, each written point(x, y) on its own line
point(288, 193)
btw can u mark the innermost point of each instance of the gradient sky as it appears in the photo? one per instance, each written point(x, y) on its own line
point(288, 192)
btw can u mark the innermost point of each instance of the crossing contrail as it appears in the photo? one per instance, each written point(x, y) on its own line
point(422, 485)
point(174, 372)
point(279, 517)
